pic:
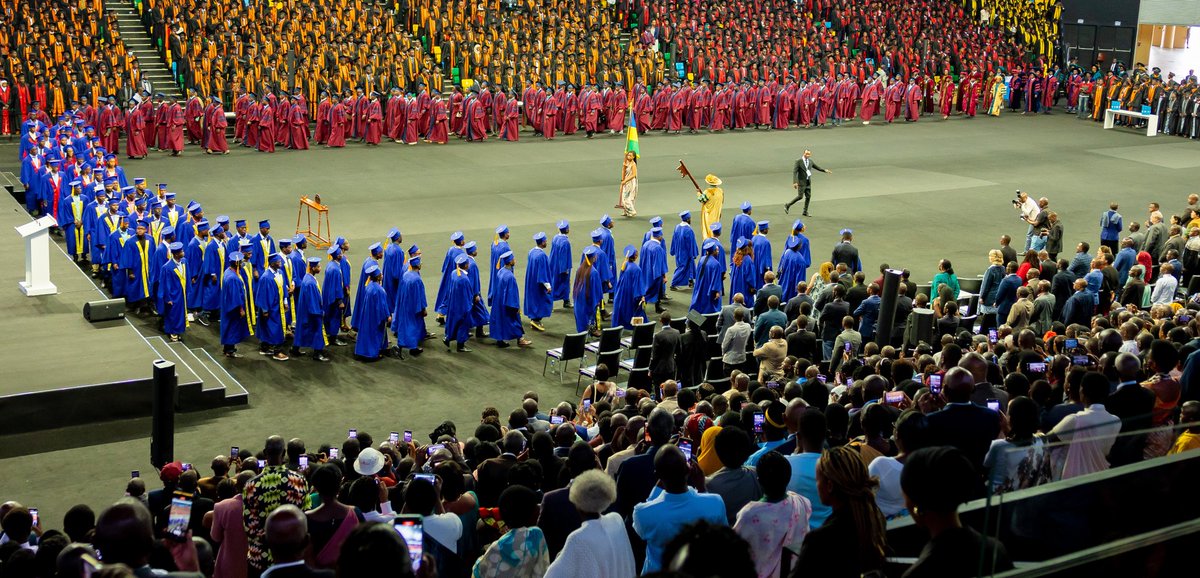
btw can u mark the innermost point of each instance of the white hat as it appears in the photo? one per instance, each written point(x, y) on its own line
point(369, 462)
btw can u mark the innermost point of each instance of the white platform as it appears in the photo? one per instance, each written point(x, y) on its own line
point(1111, 114)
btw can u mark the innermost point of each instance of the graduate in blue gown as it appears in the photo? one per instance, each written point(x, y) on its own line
point(710, 279)
point(479, 311)
point(792, 268)
point(288, 270)
point(299, 262)
point(538, 301)
point(629, 296)
point(561, 263)
point(375, 254)
point(602, 266)
point(374, 316)
point(716, 234)
point(347, 279)
point(506, 306)
point(235, 327)
point(804, 254)
point(196, 248)
point(743, 226)
point(310, 319)
point(763, 258)
point(608, 246)
point(394, 266)
point(212, 273)
point(137, 258)
point(333, 295)
point(263, 246)
point(93, 213)
point(234, 244)
point(161, 255)
point(685, 251)
point(499, 247)
point(408, 316)
point(173, 293)
point(588, 290)
point(743, 275)
point(654, 222)
point(448, 266)
point(190, 226)
point(71, 216)
point(460, 299)
point(246, 248)
point(653, 259)
point(114, 248)
point(270, 302)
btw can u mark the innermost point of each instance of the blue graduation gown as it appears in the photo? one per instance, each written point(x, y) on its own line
point(310, 330)
point(538, 302)
point(161, 255)
point(299, 266)
point(407, 322)
point(173, 297)
point(394, 267)
point(71, 216)
point(333, 292)
point(587, 295)
point(608, 247)
point(627, 299)
point(479, 311)
point(346, 279)
point(499, 247)
point(506, 307)
point(112, 257)
point(684, 249)
point(654, 268)
point(185, 232)
point(107, 225)
point(602, 268)
point(560, 269)
point(709, 281)
point(211, 274)
point(270, 300)
point(744, 279)
point(196, 249)
point(362, 282)
point(459, 303)
point(743, 226)
point(137, 258)
point(235, 327)
point(93, 214)
point(373, 312)
point(261, 247)
point(762, 254)
point(792, 270)
point(443, 294)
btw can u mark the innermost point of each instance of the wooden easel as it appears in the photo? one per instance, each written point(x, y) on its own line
point(320, 237)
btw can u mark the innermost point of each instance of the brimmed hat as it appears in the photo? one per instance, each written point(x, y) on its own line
point(713, 180)
point(369, 462)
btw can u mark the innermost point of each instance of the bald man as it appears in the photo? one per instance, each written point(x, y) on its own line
point(672, 505)
point(962, 424)
point(287, 538)
point(125, 535)
point(1132, 403)
point(978, 366)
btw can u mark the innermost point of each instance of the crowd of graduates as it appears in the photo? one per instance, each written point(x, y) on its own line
point(1176, 102)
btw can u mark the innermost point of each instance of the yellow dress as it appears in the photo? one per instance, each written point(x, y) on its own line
point(711, 201)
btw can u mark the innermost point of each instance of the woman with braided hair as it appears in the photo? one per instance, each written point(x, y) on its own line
point(851, 541)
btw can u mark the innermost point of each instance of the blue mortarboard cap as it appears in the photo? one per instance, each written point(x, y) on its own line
point(114, 201)
point(168, 195)
point(168, 230)
point(245, 245)
point(629, 251)
point(716, 228)
point(539, 236)
point(75, 183)
point(274, 257)
point(314, 260)
point(375, 247)
point(235, 257)
point(394, 233)
point(298, 239)
point(141, 223)
point(285, 242)
point(413, 250)
point(140, 202)
point(334, 250)
point(176, 246)
point(239, 223)
point(502, 229)
point(460, 259)
point(97, 170)
point(264, 224)
point(339, 241)
point(656, 222)
point(656, 231)
point(685, 215)
point(792, 242)
point(139, 180)
point(202, 225)
point(797, 225)
point(414, 261)
point(128, 189)
point(193, 206)
point(155, 203)
point(373, 269)
point(591, 250)
point(122, 215)
point(223, 220)
point(456, 236)
point(764, 225)
point(746, 206)
point(563, 225)
point(606, 220)
point(470, 246)
point(710, 244)
point(110, 157)
point(597, 235)
point(107, 181)
point(742, 242)
point(162, 186)
point(506, 257)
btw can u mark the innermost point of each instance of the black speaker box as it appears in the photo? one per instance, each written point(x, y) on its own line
point(104, 310)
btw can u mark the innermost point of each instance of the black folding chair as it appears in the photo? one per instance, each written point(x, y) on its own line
point(572, 348)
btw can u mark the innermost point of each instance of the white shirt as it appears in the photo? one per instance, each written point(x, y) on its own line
point(1091, 434)
point(888, 496)
point(807, 168)
point(275, 567)
point(1164, 290)
point(1030, 209)
point(599, 548)
point(445, 528)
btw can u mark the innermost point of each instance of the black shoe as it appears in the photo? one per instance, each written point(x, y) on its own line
point(416, 352)
point(295, 352)
point(340, 342)
point(786, 208)
point(321, 356)
point(805, 213)
point(658, 308)
point(479, 333)
point(232, 354)
point(567, 305)
point(502, 344)
point(447, 342)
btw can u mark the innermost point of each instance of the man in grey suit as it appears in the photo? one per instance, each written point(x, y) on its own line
point(725, 319)
point(1156, 235)
point(772, 289)
point(802, 180)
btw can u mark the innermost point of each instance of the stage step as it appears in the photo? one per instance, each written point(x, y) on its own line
point(140, 43)
point(208, 386)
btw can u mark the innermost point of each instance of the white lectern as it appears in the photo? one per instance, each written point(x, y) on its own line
point(37, 257)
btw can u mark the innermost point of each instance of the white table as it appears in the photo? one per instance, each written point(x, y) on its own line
point(1151, 124)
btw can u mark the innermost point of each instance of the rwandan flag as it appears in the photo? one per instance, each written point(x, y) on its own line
point(631, 135)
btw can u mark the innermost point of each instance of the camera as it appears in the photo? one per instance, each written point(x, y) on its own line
point(1017, 199)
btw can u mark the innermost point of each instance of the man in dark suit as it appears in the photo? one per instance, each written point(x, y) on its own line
point(287, 537)
point(491, 477)
point(1010, 254)
point(559, 517)
point(801, 342)
point(771, 288)
point(1080, 306)
point(1132, 403)
point(663, 351)
point(962, 424)
point(857, 293)
point(770, 318)
point(904, 307)
point(802, 180)
point(1006, 293)
point(1061, 286)
point(831, 319)
point(635, 477)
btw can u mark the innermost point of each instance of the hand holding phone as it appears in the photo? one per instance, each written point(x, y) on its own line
point(685, 446)
point(394, 437)
point(33, 512)
point(178, 518)
point(352, 433)
point(893, 397)
point(410, 527)
point(234, 452)
point(556, 419)
point(408, 436)
point(333, 453)
point(303, 463)
point(758, 422)
point(994, 405)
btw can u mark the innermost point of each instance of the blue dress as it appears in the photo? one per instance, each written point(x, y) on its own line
point(539, 303)
point(310, 329)
point(362, 282)
point(439, 304)
point(627, 302)
point(394, 267)
point(762, 254)
point(743, 279)
point(373, 315)
point(706, 297)
point(560, 268)
point(235, 327)
point(588, 293)
point(791, 271)
point(210, 276)
point(506, 307)
point(270, 299)
point(459, 303)
point(407, 322)
point(137, 257)
point(685, 251)
point(332, 292)
point(173, 297)
point(654, 268)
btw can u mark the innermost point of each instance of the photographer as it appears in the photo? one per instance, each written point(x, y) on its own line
point(1030, 213)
